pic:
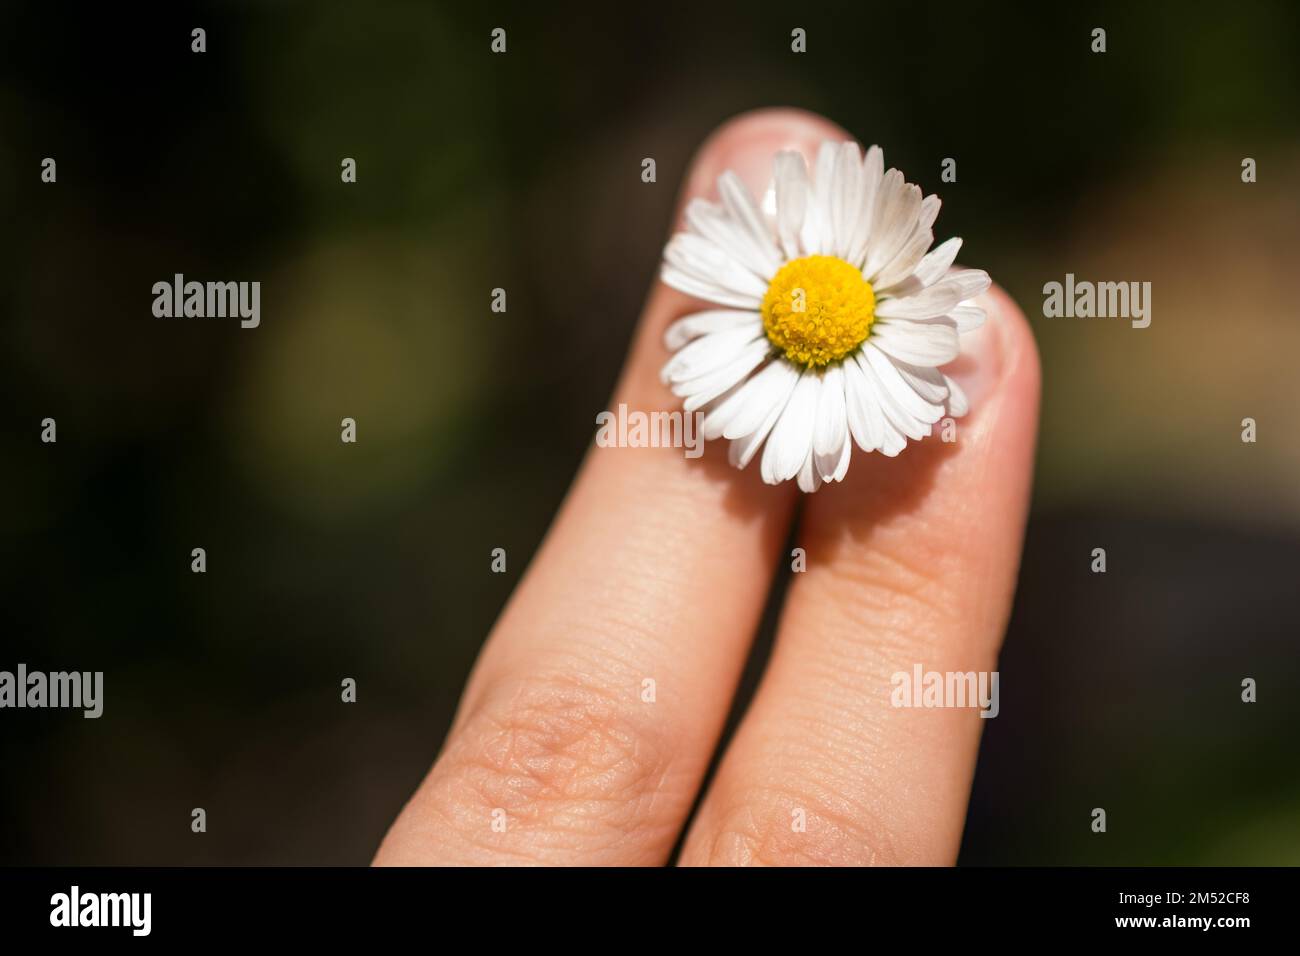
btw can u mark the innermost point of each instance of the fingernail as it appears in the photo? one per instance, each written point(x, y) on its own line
point(978, 368)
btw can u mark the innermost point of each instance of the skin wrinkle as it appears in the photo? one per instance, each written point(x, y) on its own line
point(643, 573)
point(846, 753)
point(852, 804)
point(909, 632)
point(877, 568)
point(563, 759)
point(816, 712)
point(524, 766)
point(579, 665)
point(842, 750)
point(868, 597)
point(594, 660)
point(843, 742)
point(759, 831)
point(642, 597)
point(875, 584)
point(465, 832)
point(632, 619)
point(614, 640)
point(641, 807)
point(909, 543)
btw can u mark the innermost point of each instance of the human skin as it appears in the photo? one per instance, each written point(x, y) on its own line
point(657, 567)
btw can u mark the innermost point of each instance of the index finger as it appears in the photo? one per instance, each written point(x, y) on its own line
point(593, 711)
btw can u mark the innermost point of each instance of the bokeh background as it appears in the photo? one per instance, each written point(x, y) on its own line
point(522, 171)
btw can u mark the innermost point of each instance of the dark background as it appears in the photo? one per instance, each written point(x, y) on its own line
point(522, 171)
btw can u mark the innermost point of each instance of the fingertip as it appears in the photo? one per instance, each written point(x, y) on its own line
point(748, 143)
point(1021, 371)
point(998, 355)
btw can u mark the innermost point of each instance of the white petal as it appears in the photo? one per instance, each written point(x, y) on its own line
point(958, 404)
point(913, 248)
point(894, 221)
point(926, 382)
point(967, 317)
point(703, 323)
point(842, 468)
point(929, 211)
point(809, 480)
point(866, 421)
point(891, 183)
point(895, 415)
point(745, 212)
point(791, 179)
point(972, 282)
point(846, 198)
point(742, 450)
point(698, 392)
point(708, 290)
point(747, 408)
point(937, 261)
point(772, 389)
point(791, 438)
point(873, 171)
point(903, 394)
point(918, 343)
point(928, 271)
point(816, 233)
point(831, 428)
point(706, 260)
point(709, 352)
point(905, 261)
point(892, 441)
point(714, 223)
point(895, 441)
point(929, 303)
point(913, 428)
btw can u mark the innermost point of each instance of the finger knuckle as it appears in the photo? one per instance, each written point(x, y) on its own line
point(560, 752)
point(779, 828)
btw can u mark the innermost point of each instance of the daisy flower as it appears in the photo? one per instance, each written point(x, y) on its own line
point(833, 320)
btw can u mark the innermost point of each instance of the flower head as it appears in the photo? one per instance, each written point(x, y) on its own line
point(834, 315)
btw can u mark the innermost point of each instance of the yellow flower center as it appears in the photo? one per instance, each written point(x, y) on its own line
point(817, 310)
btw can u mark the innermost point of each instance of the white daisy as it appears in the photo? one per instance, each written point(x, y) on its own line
point(834, 318)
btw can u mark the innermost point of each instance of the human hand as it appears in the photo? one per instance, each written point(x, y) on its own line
point(657, 568)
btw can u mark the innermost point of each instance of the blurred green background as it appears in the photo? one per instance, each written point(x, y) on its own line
point(523, 171)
